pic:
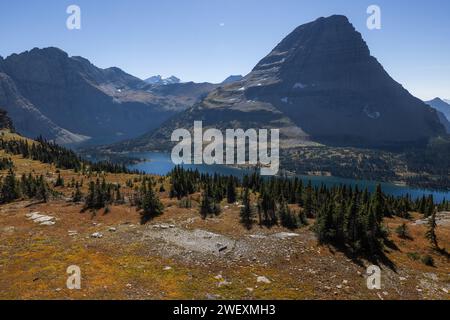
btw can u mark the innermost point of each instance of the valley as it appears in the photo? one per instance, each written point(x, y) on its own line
point(360, 179)
point(180, 255)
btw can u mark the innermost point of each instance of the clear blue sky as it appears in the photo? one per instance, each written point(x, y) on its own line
point(207, 40)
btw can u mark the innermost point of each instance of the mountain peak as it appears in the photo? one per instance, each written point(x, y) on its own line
point(438, 100)
point(321, 84)
point(50, 51)
point(232, 78)
point(325, 43)
point(337, 18)
point(159, 80)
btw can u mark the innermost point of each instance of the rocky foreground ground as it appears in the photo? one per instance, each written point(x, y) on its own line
point(181, 256)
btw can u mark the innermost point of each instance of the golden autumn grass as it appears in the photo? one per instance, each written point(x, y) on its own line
point(34, 258)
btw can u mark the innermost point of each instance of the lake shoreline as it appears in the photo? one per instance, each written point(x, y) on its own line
point(159, 163)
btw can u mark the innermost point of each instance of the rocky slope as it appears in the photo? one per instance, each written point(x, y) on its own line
point(69, 100)
point(320, 84)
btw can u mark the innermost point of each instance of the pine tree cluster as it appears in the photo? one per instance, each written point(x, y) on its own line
point(100, 195)
point(6, 164)
point(344, 215)
point(147, 200)
point(49, 152)
point(28, 187)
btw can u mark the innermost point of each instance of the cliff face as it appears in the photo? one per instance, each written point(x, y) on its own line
point(319, 84)
point(327, 82)
point(69, 100)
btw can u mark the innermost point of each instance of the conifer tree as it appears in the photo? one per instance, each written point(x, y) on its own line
point(378, 205)
point(302, 219)
point(402, 231)
point(42, 189)
point(431, 232)
point(9, 188)
point(429, 206)
point(268, 208)
point(323, 225)
point(288, 220)
point(151, 206)
point(308, 201)
point(231, 190)
point(59, 181)
point(247, 214)
point(77, 195)
point(118, 196)
point(372, 231)
point(351, 221)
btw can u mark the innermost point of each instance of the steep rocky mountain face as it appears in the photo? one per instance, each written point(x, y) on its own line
point(319, 85)
point(441, 106)
point(69, 100)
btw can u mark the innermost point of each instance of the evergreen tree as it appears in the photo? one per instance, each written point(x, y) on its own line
point(302, 219)
point(151, 206)
point(42, 190)
point(209, 204)
point(308, 201)
point(288, 220)
point(378, 204)
point(205, 205)
point(429, 206)
point(351, 221)
point(372, 231)
point(402, 231)
point(247, 214)
point(323, 227)
point(231, 190)
point(59, 181)
point(9, 189)
point(77, 195)
point(431, 232)
point(118, 196)
point(268, 208)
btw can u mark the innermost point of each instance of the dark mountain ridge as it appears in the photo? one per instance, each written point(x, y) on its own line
point(318, 85)
point(69, 100)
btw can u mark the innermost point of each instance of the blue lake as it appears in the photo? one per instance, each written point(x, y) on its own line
point(161, 164)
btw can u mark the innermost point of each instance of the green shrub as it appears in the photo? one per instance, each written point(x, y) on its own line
point(428, 260)
point(402, 231)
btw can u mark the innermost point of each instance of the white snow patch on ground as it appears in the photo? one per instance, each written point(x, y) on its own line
point(299, 85)
point(372, 115)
